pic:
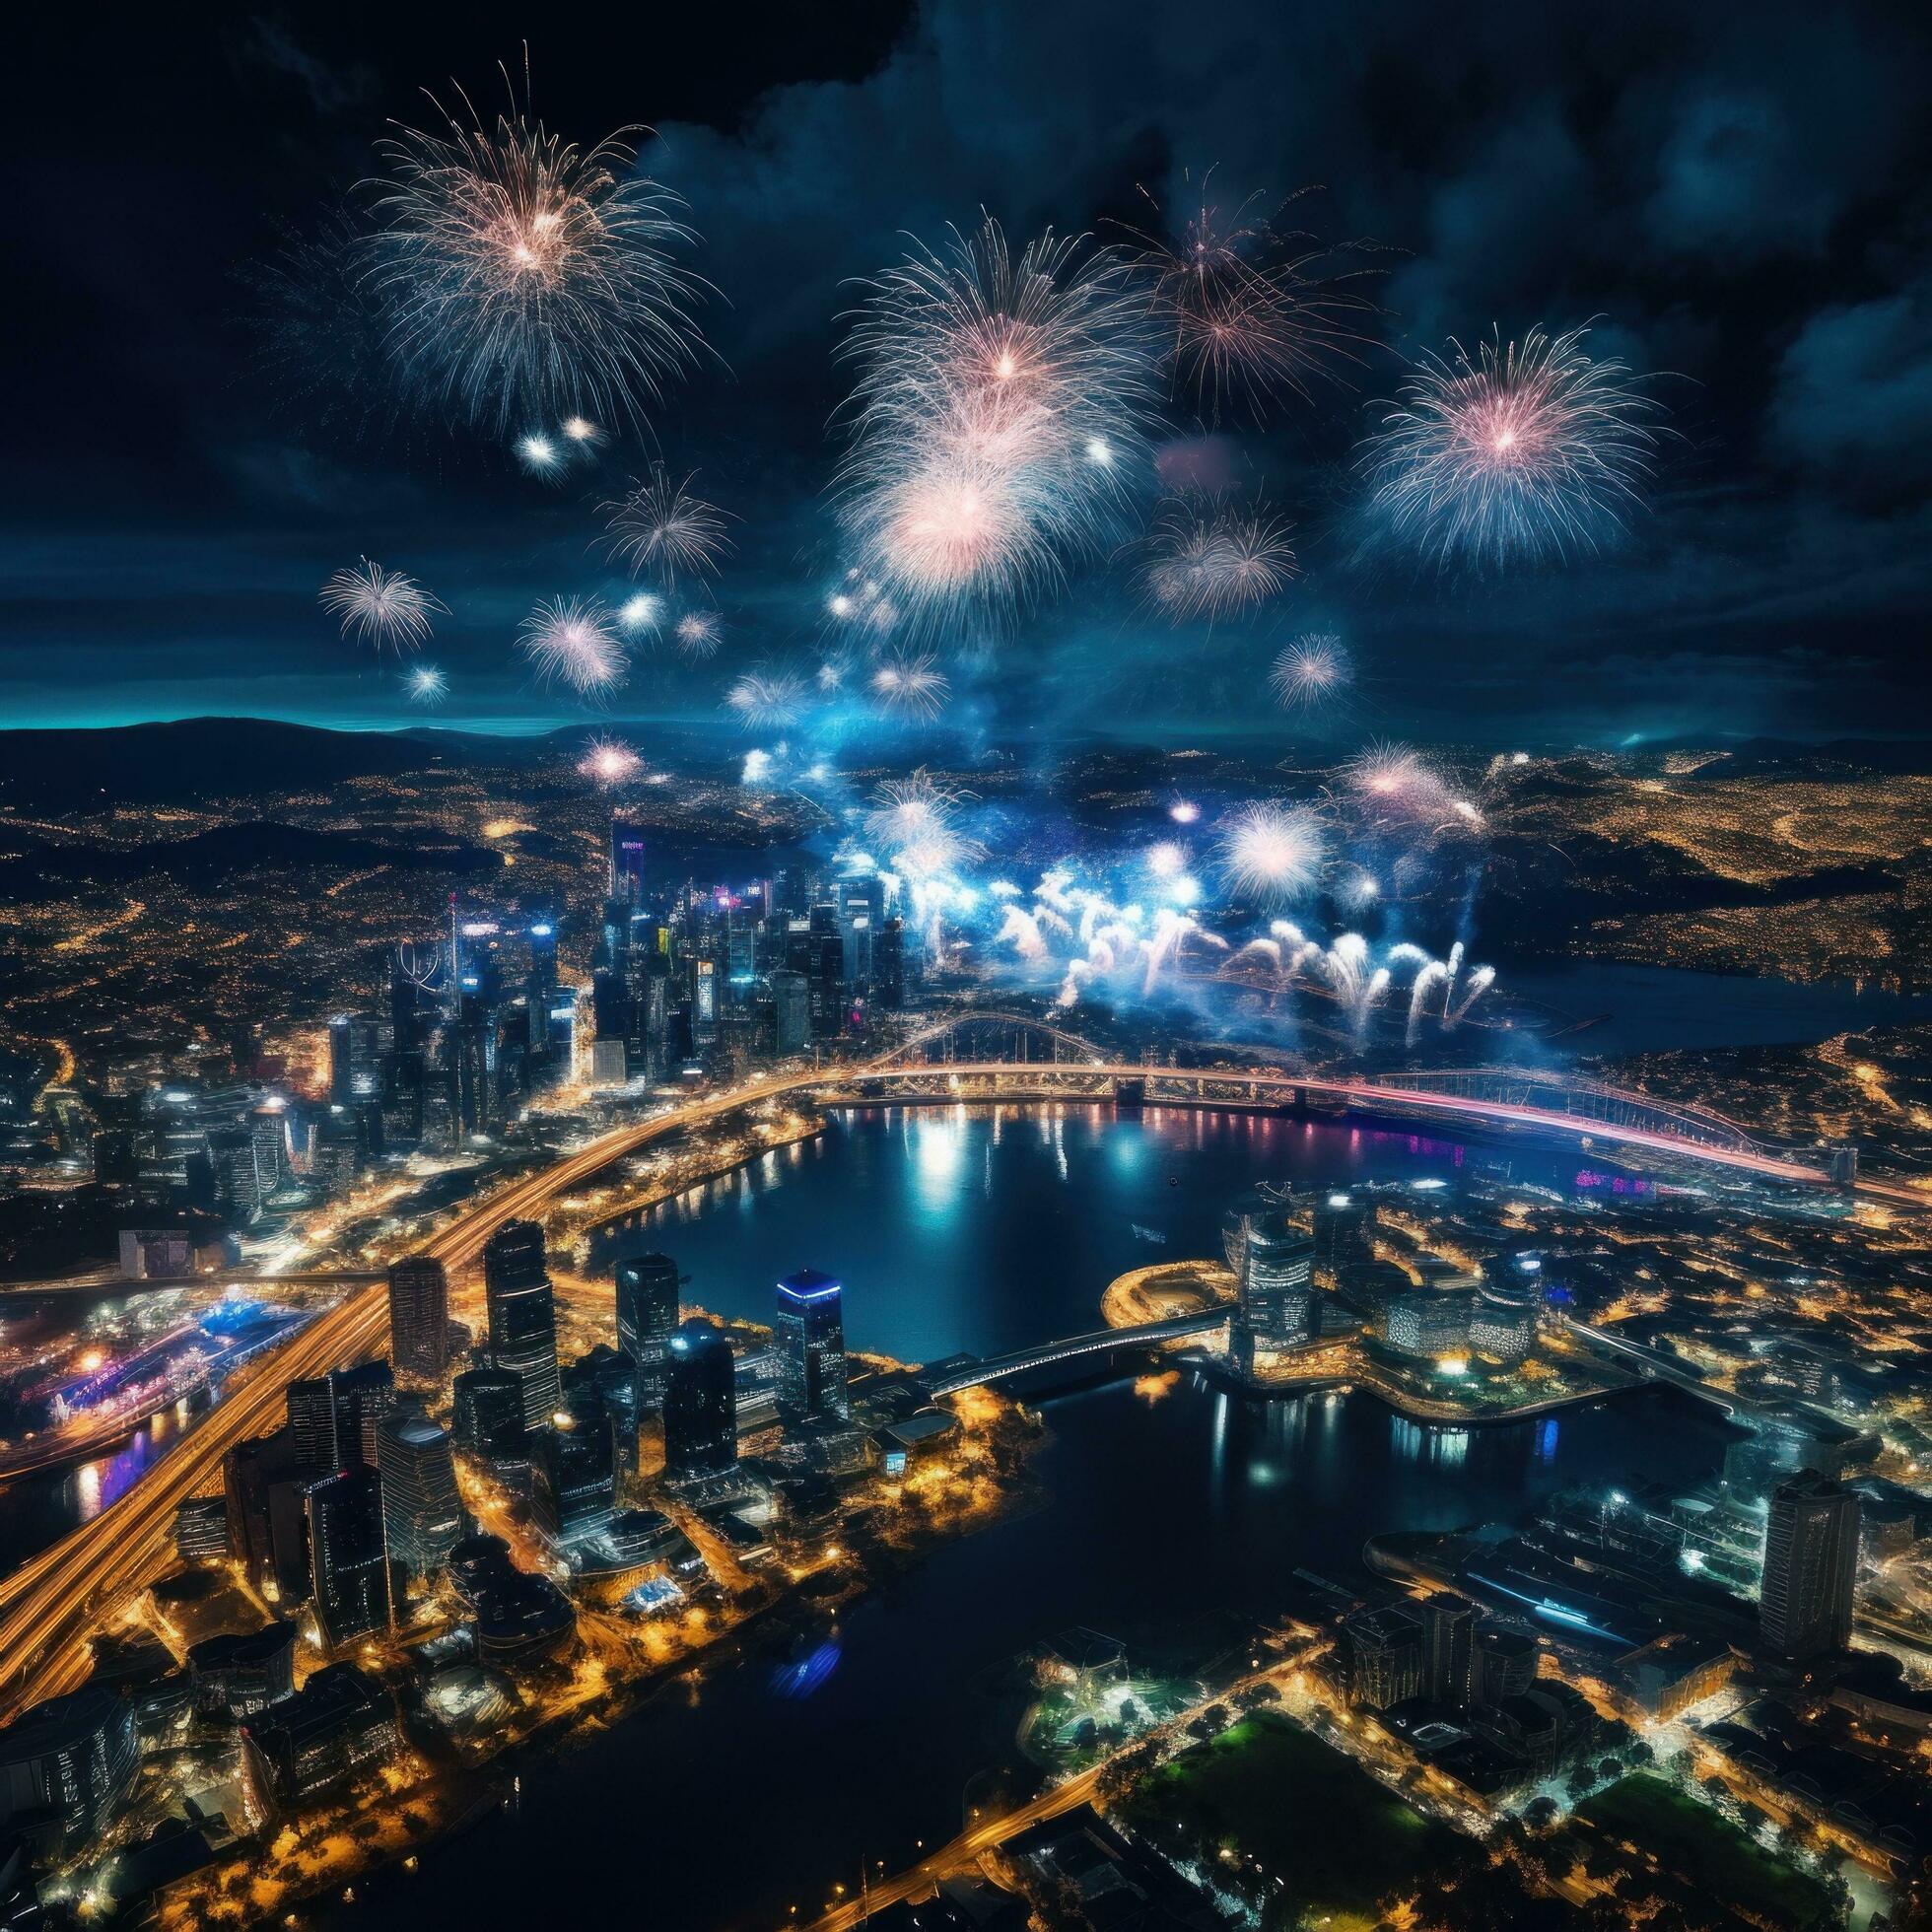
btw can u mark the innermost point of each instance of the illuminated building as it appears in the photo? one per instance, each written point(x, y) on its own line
point(601, 1392)
point(1430, 1324)
point(1449, 1648)
point(332, 1419)
point(573, 1483)
point(791, 1013)
point(1502, 1322)
point(237, 1674)
point(1504, 1666)
point(1386, 1656)
point(419, 1317)
point(1277, 1281)
point(268, 1137)
point(155, 1253)
point(808, 1325)
point(889, 965)
point(264, 1484)
point(66, 1766)
point(626, 861)
point(489, 1416)
point(338, 1722)
point(701, 1430)
point(1811, 1567)
point(647, 1313)
point(422, 1513)
point(349, 1563)
point(201, 1528)
point(1344, 1234)
point(523, 1315)
point(704, 1004)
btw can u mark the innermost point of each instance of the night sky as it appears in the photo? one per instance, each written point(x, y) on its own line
point(1741, 195)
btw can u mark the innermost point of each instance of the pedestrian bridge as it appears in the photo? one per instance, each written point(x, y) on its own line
point(997, 1368)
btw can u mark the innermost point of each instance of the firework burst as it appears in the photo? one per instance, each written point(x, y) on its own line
point(1270, 851)
point(911, 684)
point(427, 685)
point(570, 641)
point(1216, 562)
point(383, 607)
point(610, 762)
point(1247, 309)
point(1312, 671)
point(1527, 450)
point(525, 274)
point(662, 528)
point(767, 699)
point(984, 384)
point(641, 612)
point(698, 634)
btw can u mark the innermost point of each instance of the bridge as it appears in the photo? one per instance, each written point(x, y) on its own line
point(995, 1368)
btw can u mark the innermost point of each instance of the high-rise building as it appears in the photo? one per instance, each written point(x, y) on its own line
point(311, 1423)
point(362, 1396)
point(601, 1392)
point(791, 1013)
point(489, 1416)
point(1449, 1648)
point(1385, 1653)
point(419, 1317)
point(700, 1427)
point(1344, 1235)
point(1811, 1568)
point(808, 1329)
point(349, 1563)
point(1278, 1280)
point(626, 861)
point(264, 1481)
point(889, 965)
point(422, 1513)
point(647, 1313)
point(573, 1481)
point(523, 1315)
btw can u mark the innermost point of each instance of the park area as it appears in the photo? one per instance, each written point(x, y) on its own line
point(1268, 1812)
point(1712, 1860)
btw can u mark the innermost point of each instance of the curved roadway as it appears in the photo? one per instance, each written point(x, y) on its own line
point(50, 1604)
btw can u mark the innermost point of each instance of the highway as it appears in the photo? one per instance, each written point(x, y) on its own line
point(50, 1604)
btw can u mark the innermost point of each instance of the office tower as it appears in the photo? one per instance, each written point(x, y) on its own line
point(647, 1313)
point(419, 1317)
point(573, 1481)
point(1385, 1656)
point(889, 965)
point(740, 956)
point(808, 1328)
point(232, 1152)
point(1504, 1666)
point(473, 1044)
point(311, 1423)
point(362, 1396)
point(626, 861)
point(1278, 1280)
point(489, 1416)
point(1344, 1235)
point(422, 1513)
point(700, 1427)
point(268, 1134)
point(791, 1013)
point(601, 1392)
point(704, 1005)
point(263, 1486)
point(65, 1768)
point(239, 1673)
point(348, 1560)
point(523, 1315)
point(1811, 1566)
point(1449, 1648)
point(825, 972)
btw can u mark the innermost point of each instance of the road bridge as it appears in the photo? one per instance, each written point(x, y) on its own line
point(997, 1368)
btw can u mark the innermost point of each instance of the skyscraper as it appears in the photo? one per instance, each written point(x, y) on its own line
point(573, 1481)
point(808, 1327)
point(1278, 1280)
point(489, 1416)
point(1449, 1648)
point(701, 1423)
point(419, 1317)
point(1344, 1234)
point(791, 1013)
point(626, 861)
point(1811, 1568)
point(647, 1313)
point(422, 1513)
point(523, 1315)
point(348, 1557)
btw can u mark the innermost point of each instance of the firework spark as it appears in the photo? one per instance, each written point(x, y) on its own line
point(539, 454)
point(699, 633)
point(1248, 310)
point(911, 684)
point(571, 640)
point(383, 607)
point(1311, 671)
point(1528, 449)
point(641, 612)
point(525, 275)
point(427, 685)
point(662, 528)
point(984, 384)
point(767, 699)
point(1270, 851)
point(610, 762)
point(1215, 563)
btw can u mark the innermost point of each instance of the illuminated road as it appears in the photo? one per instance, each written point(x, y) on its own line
point(49, 1604)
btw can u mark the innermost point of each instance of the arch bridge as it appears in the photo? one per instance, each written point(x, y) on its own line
point(995, 1368)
